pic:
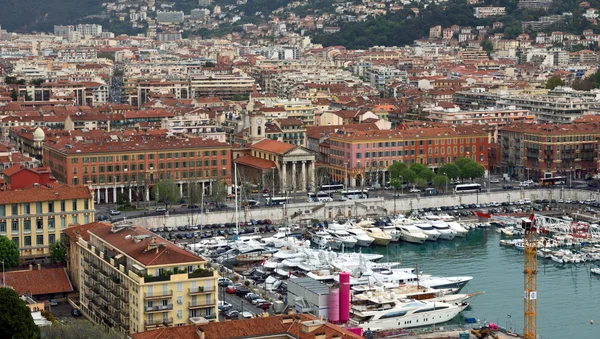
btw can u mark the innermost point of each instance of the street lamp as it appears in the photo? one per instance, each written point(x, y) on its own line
point(346, 181)
point(273, 177)
point(571, 177)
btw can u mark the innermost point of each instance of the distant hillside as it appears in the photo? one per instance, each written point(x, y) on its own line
point(42, 15)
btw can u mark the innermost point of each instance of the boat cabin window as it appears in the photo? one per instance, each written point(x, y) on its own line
point(431, 309)
point(393, 315)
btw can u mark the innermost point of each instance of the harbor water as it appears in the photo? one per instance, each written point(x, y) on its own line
point(568, 295)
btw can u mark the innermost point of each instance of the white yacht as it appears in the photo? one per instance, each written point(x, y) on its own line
point(431, 233)
point(387, 313)
point(362, 239)
point(325, 240)
point(456, 227)
point(339, 232)
point(413, 234)
point(445, 232)
point(392, 232)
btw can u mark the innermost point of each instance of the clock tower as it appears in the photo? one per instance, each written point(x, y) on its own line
point(257, 128)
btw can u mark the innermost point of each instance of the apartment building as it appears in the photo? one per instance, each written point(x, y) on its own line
point(362, 157)
point(547, 150)
point(195, 124)
point(120, 163)
point(34, 217)
point(134, 281)
point(547, 108)
point(224, 86)
point(486, 12)
point(490, 116)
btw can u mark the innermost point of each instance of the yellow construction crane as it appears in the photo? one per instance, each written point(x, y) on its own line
point(530, 271)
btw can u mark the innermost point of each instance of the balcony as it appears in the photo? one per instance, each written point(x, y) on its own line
point(158, 295)
point(201, 304)
point(159, 308)
point(199, 290)
point(158, 322)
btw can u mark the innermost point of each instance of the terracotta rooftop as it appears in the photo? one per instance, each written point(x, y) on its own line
point(288, 325)
point(273, 146)
point(43, 193)
point(83, 230)
point(165, 255)
point(39, 282)
point(255, 162)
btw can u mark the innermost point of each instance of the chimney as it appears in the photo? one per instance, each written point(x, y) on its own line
point(200, 333)
point(30, 267)
point(39, 267)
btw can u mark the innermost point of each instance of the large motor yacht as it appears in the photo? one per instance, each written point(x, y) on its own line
point(412, 234)
point(362, 239)
point(432, 233)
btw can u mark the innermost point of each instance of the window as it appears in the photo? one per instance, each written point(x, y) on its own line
point(2, 211)
point(15, 209)
point(74, 205)
point(15, 226)
point(74, 220)
point(179, 314)
point(39, 240)
point(86, 204)
point(63, 206)
point(28, 240)
point(3, 227)
point(39, 224)
point(50, 206)
point(27, 225)
point(51, 223)
point(63, 223)
point(16, 240)
point(27, 208)
point(179, 287)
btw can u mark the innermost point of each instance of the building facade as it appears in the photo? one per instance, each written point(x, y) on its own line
point(35, 217)
point(133, 281)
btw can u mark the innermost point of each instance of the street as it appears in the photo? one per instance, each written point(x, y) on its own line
point(238, 303)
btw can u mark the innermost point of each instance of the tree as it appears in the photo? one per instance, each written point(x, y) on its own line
point(408, 175)
point(450, 170)
point(75, 329)
point(123, 199)
point(417, 168)
point(420, 183)
point(583, 85)
point(14, 95)
point(167, 192)
point(195, 193)
point(461, 162)
point(15, 317)
point(441, 181)
point(426, 174)
point(36, 82)
point(554, 82)
point(9, 252)
point(58, 251)
point(472, 170)
point(219, 191)
point(487, 46)
point(396, 168)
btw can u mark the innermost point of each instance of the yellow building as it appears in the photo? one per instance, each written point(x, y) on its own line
point(134, 281)
point(34, 217)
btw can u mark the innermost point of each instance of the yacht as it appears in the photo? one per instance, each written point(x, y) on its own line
point(386, 313)
point(431, 233)
point(362, 239)
point(413, 234)
point(325, 240)
point(379, 237)
point(445, 232)
point(339, 232)
point(392, 232)
point(456, 227)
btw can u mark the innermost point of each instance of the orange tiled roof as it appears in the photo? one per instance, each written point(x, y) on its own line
point(83, 230)
point(39, 282)
point(167, 254)
point(255, 162)
point(43, 193)
point(273, 146)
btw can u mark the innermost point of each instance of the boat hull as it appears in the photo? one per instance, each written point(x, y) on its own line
point(414, 240)
point(414, 320)
point(364, 242)
point(381, 241)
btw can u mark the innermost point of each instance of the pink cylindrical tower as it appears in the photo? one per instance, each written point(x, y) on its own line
point(334, 306)
point(344, 297)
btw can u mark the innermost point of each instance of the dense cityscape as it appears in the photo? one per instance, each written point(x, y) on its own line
point(299, 169)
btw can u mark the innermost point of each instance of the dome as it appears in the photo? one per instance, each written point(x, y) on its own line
point(39, 135)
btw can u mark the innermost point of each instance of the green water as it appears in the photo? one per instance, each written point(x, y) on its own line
point(569, 296)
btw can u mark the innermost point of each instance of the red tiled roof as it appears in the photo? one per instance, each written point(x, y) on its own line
point(273, 146)
point(12, 170)
point(249, 328)
point(167, 254)
point(39, 282)
point(255, 162)
point(43, 193)
point(83, 230)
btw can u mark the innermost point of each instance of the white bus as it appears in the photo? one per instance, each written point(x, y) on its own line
point(354, 194)
point(277, 201)
point(467, 188)
point(319, 196)
point(331, 188)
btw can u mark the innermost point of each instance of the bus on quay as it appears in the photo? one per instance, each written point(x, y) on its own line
point(467, 188)
point(553, 181)
point(330, 189)
point(277, 201)
point(354, 194)
point(319, 196)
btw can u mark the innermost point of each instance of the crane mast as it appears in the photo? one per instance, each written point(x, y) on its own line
point(530, 271)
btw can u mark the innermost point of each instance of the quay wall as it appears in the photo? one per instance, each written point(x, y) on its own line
point(374, 206)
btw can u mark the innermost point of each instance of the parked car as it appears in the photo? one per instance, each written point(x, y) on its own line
point(224, 304)
point(258, 301)
point(232, 289)
point(224, 282)
point(193, 206)
point(414, 190)
point(53, 302)
point(76, 313)
point(252, 296)
point(266, 305)
point(160, 209)
point(114, 212)
point(232, 314)
point(242, 291)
